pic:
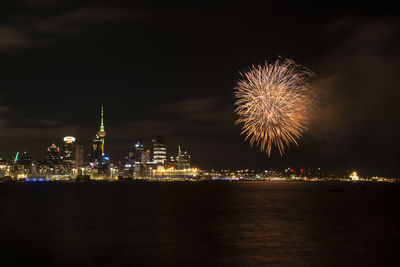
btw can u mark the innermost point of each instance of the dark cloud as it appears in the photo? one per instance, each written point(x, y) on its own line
point(358, 116)
point(361, 78)
point(42, 122)
point(11, 38)
point(36, 27)
point(206, 109)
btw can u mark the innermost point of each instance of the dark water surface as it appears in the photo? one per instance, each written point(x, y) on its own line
point(198, 224)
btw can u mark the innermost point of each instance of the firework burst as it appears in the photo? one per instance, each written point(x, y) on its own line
point(274, 103)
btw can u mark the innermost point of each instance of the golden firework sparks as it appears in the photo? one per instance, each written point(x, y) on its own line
point(274, 102)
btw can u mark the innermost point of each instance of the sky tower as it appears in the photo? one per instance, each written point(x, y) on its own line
point(102, 133)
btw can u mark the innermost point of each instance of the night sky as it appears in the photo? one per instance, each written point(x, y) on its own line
point(170, 70)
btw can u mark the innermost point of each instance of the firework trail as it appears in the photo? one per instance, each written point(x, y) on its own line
point(274, 103)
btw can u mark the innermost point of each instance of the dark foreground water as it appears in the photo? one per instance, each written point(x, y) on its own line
point(198, 224)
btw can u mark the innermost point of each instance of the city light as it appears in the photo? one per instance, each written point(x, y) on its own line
point(69, 139)
point(354, 176)
point(69, 163)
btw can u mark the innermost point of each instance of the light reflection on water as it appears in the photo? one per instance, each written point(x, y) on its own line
point(196, 224)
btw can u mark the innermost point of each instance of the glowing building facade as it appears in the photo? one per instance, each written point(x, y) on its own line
point(98, 160)
point(53, 155)
point(79, 156)
point(97, 156)
point(101, 134)
point(183, 160)
point(68, 153)
point(159, 151)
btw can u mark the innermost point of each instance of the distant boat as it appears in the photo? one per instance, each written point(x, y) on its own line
point(336, 188)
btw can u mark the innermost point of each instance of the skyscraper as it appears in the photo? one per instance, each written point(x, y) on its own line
point(68, 155)
point(98, 159)
point(138, 152)
point(138, 160)
point(68, 161)
point(97, 155)
point(183, 160)
point(79, 156)
point(54, 159)
point(145, 158)
point(24, 166)
point(159, 150)
point(102, 133)
point(53, 155)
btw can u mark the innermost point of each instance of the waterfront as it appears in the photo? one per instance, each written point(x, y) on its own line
point(198, 224)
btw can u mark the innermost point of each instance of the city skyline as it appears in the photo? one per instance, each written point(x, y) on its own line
point(99, 142)
point(94, 151)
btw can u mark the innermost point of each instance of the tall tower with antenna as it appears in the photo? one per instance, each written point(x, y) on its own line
point(102, 133)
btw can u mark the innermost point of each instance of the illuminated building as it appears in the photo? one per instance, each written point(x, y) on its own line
point(23, 166)
point(145, 157)
point(138, 152)
point(24, 159)
point(171, 163)
point(175, 168)
point(140, 160)
point(147, 164)
point(53, 155)
point(354, 176)
point(173, 174)
point(98, 160)
point(127, 170)
point(68, 153)
point(159, 151)
point(54, 159)
point(126, 166)
point(79, 156)
point(96, 155)
point(183, 160)
point(102, 133)
point(5, 168)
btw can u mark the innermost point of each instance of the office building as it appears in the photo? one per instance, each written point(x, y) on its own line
point(53, 155)
point(79, 156)
point(159, 151)
point(183, 160)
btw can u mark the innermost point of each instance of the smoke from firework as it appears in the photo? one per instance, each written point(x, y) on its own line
point(274, 103)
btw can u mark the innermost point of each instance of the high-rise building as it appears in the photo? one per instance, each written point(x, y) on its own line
point(97, 157)
point(5, 167)
point(159, 150)
point(79, 156)
point(138, 152)
point(183, 160)
point(138, 160)
point(54, 159)
point(23, 159)
point(145, 157)
point(53, 155)
point(23, 166)
point(102, 162)
point(68, 155)
point(171, 163)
